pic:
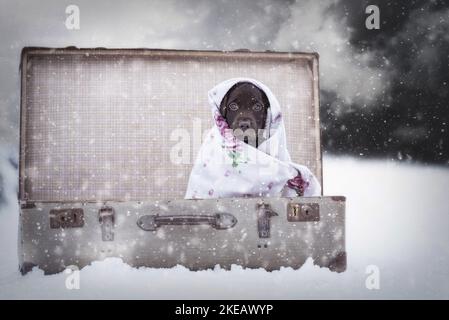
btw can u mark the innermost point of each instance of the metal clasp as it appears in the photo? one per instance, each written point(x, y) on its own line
point(303, 212)
point(264, 213)
point(66, 218)
point(106, 216)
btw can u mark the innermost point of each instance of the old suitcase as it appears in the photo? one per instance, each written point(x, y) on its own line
point(96, 180)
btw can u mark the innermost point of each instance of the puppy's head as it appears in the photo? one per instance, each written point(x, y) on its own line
point(244, 107)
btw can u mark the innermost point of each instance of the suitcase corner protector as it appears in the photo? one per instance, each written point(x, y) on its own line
point(339, 262)
point(339, 198)
point(26, 267)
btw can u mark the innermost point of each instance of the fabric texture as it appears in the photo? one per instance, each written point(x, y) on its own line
point(228, 167)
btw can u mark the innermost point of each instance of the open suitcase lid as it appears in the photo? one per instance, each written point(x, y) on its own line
point(99, 124)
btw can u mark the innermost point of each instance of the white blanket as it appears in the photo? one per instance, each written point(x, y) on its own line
point(227, 167)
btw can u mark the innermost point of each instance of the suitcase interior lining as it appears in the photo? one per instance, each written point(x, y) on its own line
point(98, 126)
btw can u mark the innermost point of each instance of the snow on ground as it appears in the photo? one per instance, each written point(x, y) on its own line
point(397, 219)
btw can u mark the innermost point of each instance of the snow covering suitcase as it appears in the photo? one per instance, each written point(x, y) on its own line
point(96, 180)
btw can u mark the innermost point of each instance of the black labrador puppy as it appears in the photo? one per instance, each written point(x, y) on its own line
point(245, 109)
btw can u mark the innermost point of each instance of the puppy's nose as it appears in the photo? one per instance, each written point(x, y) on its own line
point(244, 124)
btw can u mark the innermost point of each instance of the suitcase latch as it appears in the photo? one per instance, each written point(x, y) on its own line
point(66, 218)
point(303, 212)
point(264, 214)
point(106, 216)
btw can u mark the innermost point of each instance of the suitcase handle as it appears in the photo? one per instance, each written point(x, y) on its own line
point(219, 221)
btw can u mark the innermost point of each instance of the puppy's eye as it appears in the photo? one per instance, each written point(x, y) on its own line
point(257, 107)
point(233, 106)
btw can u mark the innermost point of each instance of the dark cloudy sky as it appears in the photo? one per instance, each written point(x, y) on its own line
point(384, 92)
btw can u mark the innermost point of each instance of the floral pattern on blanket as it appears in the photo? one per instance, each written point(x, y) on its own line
point(230, 142)
point(298, 184)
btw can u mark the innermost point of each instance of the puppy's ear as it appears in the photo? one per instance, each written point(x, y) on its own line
point(223, 105)
point(266, 105)
point(265, 100)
